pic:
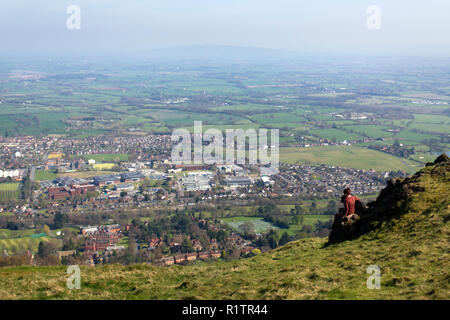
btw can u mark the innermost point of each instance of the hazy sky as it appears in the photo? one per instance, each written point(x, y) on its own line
point(417, 27)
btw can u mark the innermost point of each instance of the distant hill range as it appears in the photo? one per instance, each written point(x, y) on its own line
point(221, 52)
point(404, 233)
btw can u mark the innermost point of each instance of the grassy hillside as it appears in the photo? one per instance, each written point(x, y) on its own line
point(409, 244)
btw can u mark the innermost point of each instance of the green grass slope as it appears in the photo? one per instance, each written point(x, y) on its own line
point(409, 244)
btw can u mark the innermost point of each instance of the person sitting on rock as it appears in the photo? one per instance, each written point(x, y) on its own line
point(349, 201)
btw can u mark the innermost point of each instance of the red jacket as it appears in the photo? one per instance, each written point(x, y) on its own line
point(350, 204)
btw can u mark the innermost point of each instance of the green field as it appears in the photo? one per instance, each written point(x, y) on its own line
point(9, 191)
point(410, 137)
point(107, 157)
point(431, 118)
point(244, 107)
point(373, 131)
point(259, 224)
point(6, 233)
point(41, 122)
point(19, 241)
point(103, 166)
point(432, 127)
point(278, 119)
point(41, 175)
point(9, 186)
point(335, 134)
point(348, 157)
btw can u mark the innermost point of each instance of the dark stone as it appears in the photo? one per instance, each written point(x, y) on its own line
point(392, 201)
point(442, 158)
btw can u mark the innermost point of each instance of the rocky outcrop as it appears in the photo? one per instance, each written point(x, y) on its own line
point(441, 159)
point(343, 227)
point(391, 202)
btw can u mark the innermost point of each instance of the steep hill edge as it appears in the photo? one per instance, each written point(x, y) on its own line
point(424, 191)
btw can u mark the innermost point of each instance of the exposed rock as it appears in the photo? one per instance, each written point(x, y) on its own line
point(391, 202)
point(442, 158)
